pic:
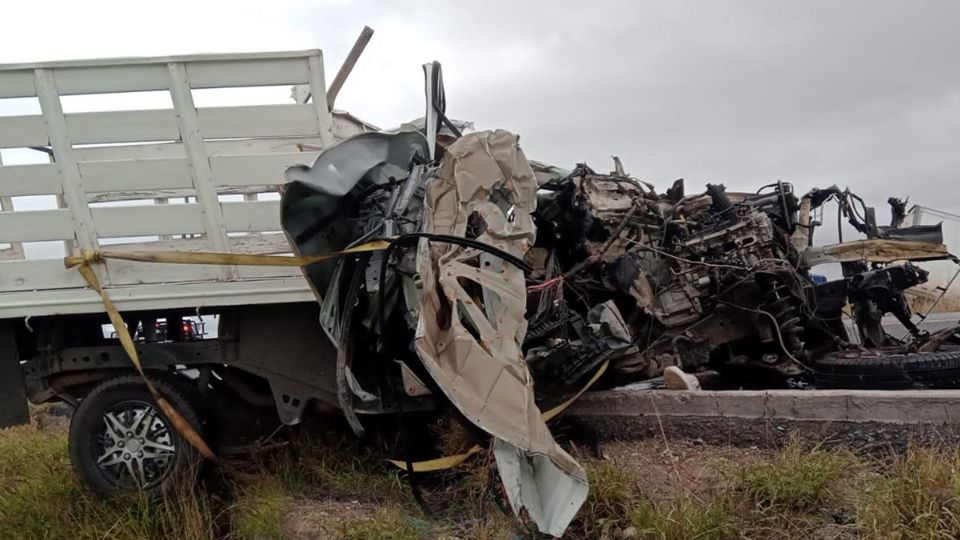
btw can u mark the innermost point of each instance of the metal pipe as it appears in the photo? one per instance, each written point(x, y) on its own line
point(347, 66)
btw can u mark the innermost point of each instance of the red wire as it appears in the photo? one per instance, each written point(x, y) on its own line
point(545, 284)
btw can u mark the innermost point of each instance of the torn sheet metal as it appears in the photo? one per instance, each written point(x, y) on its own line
point(471, 325)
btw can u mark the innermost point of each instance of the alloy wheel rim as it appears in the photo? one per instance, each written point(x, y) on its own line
point(135, 448)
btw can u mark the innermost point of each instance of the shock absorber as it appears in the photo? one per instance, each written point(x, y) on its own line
point(785, 308)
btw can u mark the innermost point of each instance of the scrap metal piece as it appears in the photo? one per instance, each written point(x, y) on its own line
point(877, 250)
point(471, 324)
point(348, 65)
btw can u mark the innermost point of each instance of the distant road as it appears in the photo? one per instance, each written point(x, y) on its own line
point(934, 322)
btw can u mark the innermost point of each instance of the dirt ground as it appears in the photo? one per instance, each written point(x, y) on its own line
point(660, 467)
point(672, 480)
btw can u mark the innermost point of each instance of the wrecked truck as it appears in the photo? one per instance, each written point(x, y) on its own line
point(505, 287)
point(509, 286)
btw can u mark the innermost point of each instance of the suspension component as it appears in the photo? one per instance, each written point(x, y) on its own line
point(784, 306)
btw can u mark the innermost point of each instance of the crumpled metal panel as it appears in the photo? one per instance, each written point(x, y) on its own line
point(471, 324)
point(321, 211)
point(321, 201)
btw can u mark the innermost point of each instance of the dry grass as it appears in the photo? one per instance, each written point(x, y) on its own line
point(800, 491)
point(617, 503)
point(917, 496)
point(41, 498)
point(328, 488)
point(920, 304)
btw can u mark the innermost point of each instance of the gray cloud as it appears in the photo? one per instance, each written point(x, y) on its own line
point(859, 93)
point(865, 94)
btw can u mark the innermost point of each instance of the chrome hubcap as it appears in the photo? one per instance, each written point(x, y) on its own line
point(137, 447)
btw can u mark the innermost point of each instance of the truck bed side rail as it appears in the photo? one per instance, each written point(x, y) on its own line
point(194, 172)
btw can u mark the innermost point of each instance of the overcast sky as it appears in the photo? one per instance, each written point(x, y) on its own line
point(857, 93)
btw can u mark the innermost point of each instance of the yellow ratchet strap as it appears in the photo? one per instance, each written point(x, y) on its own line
point(179, 422)
point(449, 462)
point(82, 263)
point(204, 257)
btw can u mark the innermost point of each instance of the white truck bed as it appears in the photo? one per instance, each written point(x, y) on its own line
point(184, 177)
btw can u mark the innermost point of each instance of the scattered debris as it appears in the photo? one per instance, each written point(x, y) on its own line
point(676, 379)
point(519, 283)
point(512, 277)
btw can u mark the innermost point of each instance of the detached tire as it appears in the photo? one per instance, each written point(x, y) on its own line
point(120, 441)
point(888, 369)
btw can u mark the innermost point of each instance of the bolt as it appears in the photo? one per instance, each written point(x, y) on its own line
point(139, 454)
point(141, 440)
point(120, 444)
point(129, 434)
point(126, 457)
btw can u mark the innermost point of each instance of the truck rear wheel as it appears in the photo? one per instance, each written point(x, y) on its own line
point(120, 441)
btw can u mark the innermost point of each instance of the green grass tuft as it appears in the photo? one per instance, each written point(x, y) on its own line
point(612, 492)
point(387, 524)
point(918, 496)
point(683, 518)
point(260, 510)
point(339, 468)
point(41, 498)
point(796, 477)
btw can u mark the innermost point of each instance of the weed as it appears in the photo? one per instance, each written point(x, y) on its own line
point(796, 477)
point(798, 492)
point(336, 468)
point(386, 524)
point(41, 498)
point(493, 526)
point(612, 492)
point(259, 510)
point(683, 518)
point(917, 497)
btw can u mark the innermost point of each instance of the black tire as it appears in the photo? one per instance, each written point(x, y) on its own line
point(157, 461)
point(888, 369)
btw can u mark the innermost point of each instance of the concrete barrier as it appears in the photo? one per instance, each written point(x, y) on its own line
point(897, 407)
point(868, 420)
